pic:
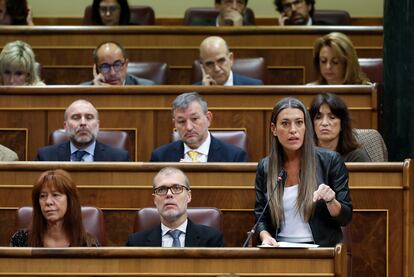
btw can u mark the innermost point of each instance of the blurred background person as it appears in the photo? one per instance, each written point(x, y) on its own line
point(308, 185)
point(15, 12)
point(335, 61)
point(18, 65)
point(110, 12)
point(57, 218)
point(333, 130)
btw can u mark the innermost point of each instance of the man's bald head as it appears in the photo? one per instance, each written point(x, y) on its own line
point(216, 59)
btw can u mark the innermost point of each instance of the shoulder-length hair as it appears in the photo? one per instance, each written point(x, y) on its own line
point(18, 55)
point(124, 17)
point(60, 181)
point(307, 175)
point(347, 54)
point(347, 141)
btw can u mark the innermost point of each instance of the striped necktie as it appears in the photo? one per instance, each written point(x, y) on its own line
point(193, 155)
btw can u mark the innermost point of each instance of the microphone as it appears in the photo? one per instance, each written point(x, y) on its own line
point(281, 180)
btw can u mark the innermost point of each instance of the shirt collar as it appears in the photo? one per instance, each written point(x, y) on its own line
point(202, 149)
point(310, 21)
point(90, 149)
point(229, 81)
point(182, 228)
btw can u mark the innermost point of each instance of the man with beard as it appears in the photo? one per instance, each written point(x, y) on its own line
point(297, 12)
point(172, 193)
point(82, 126)
point(110, 67)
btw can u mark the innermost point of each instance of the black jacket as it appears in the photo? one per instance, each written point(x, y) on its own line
point(196, 236)
point(330, 170)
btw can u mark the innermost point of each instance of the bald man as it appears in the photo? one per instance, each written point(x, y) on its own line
point(82, 126)
point(216, 63)
point(110, 67)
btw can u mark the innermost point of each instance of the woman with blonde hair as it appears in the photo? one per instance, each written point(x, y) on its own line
point(336, 62)
point(18, 65)
point(307, 185)
point(57, 218)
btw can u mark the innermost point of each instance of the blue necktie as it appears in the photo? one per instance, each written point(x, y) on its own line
point(175, 234)
point(78, 155)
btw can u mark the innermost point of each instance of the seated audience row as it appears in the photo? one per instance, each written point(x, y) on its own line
point(57, 219)
point(192, 119)
point(335, 63)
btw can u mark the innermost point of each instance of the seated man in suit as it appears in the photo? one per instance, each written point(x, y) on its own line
point(110, 67)
point(7, 155)
point(192, 119)
point(82, 125)
point(171, 195)
point(297, 12)
point(216, 62)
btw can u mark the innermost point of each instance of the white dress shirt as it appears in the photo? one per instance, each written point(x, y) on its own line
point(167, 240)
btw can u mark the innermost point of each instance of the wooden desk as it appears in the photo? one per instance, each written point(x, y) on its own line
point(173, 262)
point(381, 194)
point(32, 113)
point(65, 52)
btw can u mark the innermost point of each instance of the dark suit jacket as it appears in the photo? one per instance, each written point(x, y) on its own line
point(196, 236)
point(219, 152)
point(241, 80)
point(61, 152)
point(129, 80)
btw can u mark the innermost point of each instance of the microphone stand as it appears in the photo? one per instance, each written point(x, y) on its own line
point(281, 179)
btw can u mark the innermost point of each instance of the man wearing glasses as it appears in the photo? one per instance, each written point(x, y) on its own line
point(171, 194)
point(297, 12)
point(110, 67)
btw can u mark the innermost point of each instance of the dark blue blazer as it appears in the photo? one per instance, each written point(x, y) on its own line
point(241, 80)
point(219, 152)
point(196, 236)
point(61, 152)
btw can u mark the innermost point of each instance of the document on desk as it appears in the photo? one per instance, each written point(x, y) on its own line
point(283, 244)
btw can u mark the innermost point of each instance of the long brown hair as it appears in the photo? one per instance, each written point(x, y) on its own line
point(307, 175)
point(346, 52)
point(60, 181)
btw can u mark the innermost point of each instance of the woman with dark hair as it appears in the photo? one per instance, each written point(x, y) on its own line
point(307, 185)
point(335, 61)
point(110, 12)
point(15, 12)
point(333, 130)
point(57, 218)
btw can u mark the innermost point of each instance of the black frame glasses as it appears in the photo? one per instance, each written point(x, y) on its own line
point(175, 189)
point(106, 67)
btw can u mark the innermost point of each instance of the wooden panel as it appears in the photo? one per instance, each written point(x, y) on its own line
point(173, 262)
point(378, 192)
point(15, 139)
point(147, 110)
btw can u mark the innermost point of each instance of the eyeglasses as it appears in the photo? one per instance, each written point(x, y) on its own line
point(109, 9)
point(287, 7)
point(106, 67)
point(175, 189)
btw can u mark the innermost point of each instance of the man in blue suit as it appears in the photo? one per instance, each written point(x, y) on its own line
point(171, 194)
point(216, 63)
point(82, 125)
point(192, 118)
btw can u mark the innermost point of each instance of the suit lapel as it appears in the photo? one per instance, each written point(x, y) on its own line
point(154, 237)
point(64, 152)
point(192, 236)
point(178, 152)
point(214, 151)
point(99, 153)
